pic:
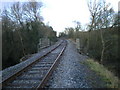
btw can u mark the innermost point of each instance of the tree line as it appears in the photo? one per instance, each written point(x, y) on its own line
point(22, 27)
point(100, 41)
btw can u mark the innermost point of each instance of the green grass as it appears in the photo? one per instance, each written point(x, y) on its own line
point(110, 79)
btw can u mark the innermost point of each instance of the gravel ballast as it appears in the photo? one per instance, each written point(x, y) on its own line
point(71, 73)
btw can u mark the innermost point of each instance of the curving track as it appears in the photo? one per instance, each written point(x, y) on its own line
point(36, 75)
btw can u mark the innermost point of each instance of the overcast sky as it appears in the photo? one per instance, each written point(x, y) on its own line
point(61, 13)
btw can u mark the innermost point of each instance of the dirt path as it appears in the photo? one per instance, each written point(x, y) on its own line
point(71, 73)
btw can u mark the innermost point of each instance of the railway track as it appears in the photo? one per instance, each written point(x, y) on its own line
point(35, 75)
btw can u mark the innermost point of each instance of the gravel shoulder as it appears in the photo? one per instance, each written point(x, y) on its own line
point(71, 73)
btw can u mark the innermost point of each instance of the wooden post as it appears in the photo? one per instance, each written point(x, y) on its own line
point(78, 43)
point(39, 45)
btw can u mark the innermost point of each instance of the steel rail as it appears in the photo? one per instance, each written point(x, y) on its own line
point(54, 65)
point(18, 73)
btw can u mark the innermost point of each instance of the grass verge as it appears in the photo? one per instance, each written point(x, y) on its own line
point(110, 79)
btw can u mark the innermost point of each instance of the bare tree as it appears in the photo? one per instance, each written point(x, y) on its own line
point(94, 9)
point(101, 17)
point(21, 13)
point(16, 15)
point(32, 10)
point(105, 19)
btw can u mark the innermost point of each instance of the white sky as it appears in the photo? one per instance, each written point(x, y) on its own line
point(61, 13)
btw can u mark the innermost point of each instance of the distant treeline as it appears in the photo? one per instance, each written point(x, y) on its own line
point(22, 27)
point(91, 43)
